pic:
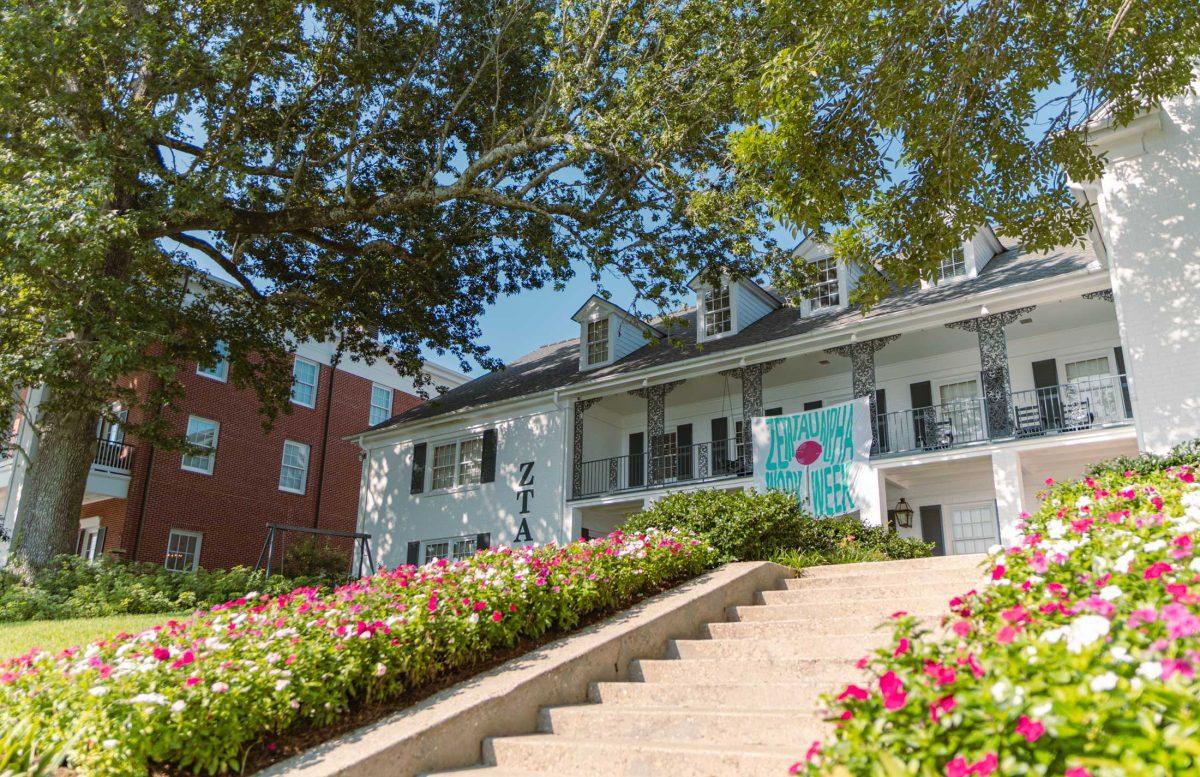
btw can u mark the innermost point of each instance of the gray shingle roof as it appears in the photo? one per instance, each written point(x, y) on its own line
point(557, 365)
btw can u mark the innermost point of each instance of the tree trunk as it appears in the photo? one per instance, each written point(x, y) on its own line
point(48, 522)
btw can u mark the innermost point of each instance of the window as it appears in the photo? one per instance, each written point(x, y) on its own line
point(219, 369)
point(304, 382)
point(717, 312)
point(293, 473)
point(597, 341)
point(953, 265)
point(381, 404)
point(183, 551)
point(957, 393)
point(1087, 370)
point(464, 548)
point(459, 462)
point(202, 433)
point(89, 543)
point(825, 290)
point(439, 549)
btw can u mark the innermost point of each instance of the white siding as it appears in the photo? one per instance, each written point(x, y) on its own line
point(625, 337)
point(749, 306)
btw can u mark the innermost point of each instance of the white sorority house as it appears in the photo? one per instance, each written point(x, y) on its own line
point(1013, 367)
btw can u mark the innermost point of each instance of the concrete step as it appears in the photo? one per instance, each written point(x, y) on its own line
point(821, 610)
point(821, 646)
point(802, 628)
point(794, 697)
point(966, 578)
point(744, 670)
point(933, 563)
point(880, 595)
point(747, 726)
point(485, 770)
point(594, 755)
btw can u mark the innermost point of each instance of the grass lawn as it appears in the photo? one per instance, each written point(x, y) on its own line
point(17, 638)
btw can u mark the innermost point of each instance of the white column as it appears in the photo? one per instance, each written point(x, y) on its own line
point(27, 444)
point(1010, 492)
point(870, 494)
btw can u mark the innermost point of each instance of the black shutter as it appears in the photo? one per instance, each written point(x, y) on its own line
point(417, 485)
point(100, 541)
point(720, 445)
point(79, 543)
point(931, 527)
point(1119, 352)
point(488, 465)
point(881, 421)
point(414, 552)
point(816, 404)
point(1045, 382)
point(683, 438)
point(637, 460)
point(483, 541)
point(773, 412)
point(921, 395)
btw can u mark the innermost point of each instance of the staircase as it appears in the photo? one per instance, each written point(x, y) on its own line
point(743, 700)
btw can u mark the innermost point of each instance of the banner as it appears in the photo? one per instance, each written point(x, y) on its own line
point(820, 455)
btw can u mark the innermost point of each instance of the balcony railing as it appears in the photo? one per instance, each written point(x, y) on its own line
point(663, 466)
point(1075, 406)
point(113, 456)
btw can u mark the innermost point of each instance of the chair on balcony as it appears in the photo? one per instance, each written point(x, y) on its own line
point(1028, 421)
point(1077, 414)
point(939, 434)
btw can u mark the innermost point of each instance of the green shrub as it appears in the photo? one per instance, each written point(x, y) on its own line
point(749, 526)
point(1183, 454)
point(308, 558)
point(73, 588)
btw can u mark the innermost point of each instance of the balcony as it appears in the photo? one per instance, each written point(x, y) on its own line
point(670, 465)
point(1078, 406)
point(113, 456)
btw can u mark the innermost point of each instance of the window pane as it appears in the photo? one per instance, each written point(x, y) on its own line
point(182, 551)
point(464, 549)
point(1087, 368)
point(436, 550)
point(381, 404)
point(953, 266)
point(958, 392)
point(825, 290)
point(443, 466)
point(304, 382)
point(597, 341)
point(470, 461)
point(717, 318)
point(219, 367)
point(293, 474)
point(201, 432)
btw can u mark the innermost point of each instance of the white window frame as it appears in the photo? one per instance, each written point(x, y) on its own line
point(1063, 378)
point(588, 342)
point(316, 384)
point(211, 456)
point(712, 317)
point(456, 480)
point(820, 288)
point(940, 384)
point(90, 539)
point(386, 411)
point(219, 370)
point(198, 536)
point(956, 259)
point(284, 467)
point(948, 522)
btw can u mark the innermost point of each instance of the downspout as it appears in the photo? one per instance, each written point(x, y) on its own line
point(333, 366)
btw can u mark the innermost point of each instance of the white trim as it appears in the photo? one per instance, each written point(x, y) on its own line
point(457, 443)
point(304, 473)
point(91, 522)
point(948, 522)
point(316, 386)
point(199, 536)
point(212, 454)
point(391, 400)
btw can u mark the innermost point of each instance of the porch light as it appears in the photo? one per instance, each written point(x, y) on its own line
point(903, 514)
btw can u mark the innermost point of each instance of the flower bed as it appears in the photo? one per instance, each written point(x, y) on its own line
point(196, 694)
point(1079, 658)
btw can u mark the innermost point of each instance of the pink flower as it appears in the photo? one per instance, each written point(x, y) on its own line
point(853, 692)
point(1032, 730)
point(193, 680)
point(941, 707)
point(497, 616)
point(901, 647)
point(962, 628)
point(941, 674)
point(1077, 771)
point(986, 765)
point(998, 572)
point(1006, 635)
point(480, 606)
point(433, 601)
point(814, 751)
point(188, 657)
point(957, 767)
point(161, 653)
point(1156, 570)
point(894, 695)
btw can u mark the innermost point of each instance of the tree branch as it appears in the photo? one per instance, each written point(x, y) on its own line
point(226, 264)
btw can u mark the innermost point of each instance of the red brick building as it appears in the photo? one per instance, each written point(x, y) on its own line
point(149, 504)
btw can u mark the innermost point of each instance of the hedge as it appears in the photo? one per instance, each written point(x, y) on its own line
point(1078, 658)
point(197, 694)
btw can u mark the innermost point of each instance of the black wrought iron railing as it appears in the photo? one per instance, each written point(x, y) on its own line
point(663, 465)
point(113, 455)
point(1074, 406)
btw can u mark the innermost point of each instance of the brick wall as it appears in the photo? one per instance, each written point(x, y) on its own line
point(232, 506)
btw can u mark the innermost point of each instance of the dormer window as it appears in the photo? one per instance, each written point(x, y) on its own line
point(827, 289)
point(597, 341)
point(953, 266)
point(718, 313)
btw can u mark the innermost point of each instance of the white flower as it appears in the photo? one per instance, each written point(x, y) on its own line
point(1054, 635)
point(1083, 501)
point(1195, 565)
point(149, 698)
point(1042, 710)
point(1154, 546)
point(1120, 654)
point(995, 550)
point(1123, 561)
point(380, 669)
point(1151, 670)
point(1056, 529)
point(98, 690)
point(1000, 691)
point(219, 687)
point(281, 684)
point(178, 705)
point(1104, 682)
point(109, 743)
point(1110, 592)
point(272, 658)
point(1085, 630)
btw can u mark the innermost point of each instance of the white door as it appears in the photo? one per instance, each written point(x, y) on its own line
point(972, 528)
